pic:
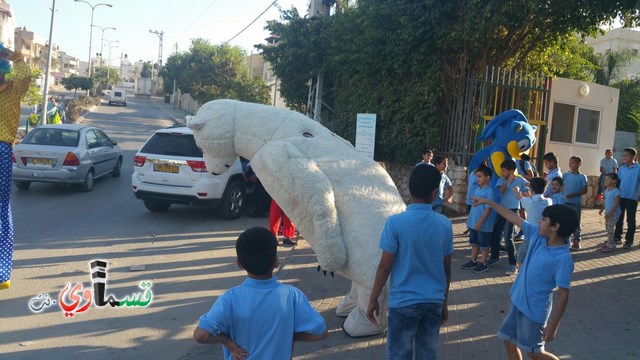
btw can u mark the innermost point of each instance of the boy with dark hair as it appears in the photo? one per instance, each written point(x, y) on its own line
point(550, 162)
point(629, 174)
point(444, 187)
point(261, 318)
point(556, 196)
point(575, 185)
point(505, 185)
point(530, 321)
point(416, 252)
point(480, 223)
point(534, 206)
point(427, 154)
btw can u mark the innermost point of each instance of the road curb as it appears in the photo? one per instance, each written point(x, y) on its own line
point(86, 113)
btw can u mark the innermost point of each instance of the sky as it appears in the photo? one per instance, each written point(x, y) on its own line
point(180, 20)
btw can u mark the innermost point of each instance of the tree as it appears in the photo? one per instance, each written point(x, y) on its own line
point(609, 65)
point(77, 82)
point(628, 118)
point(209, 72)
point(408, 60)
point(105, 76)
point(146, 70)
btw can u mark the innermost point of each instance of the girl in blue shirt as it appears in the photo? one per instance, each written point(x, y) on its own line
point(611, 209)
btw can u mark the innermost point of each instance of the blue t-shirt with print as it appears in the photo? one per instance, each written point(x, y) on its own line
point(476, 212)
point(573, 183)
point(261, 316)
point(544, 269)
point(552, 174)
point(445, 183)
point(629, 181)
point(508, 197)
point(420, 238)
point(610, 199)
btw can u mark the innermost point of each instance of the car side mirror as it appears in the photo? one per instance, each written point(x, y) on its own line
point(114, 143)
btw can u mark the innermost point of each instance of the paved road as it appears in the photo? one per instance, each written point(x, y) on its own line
point(189, 256)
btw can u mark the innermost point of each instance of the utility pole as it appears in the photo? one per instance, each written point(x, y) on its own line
point(45, 95)
point(175, 51)
point(326, 8)
point(160, 35)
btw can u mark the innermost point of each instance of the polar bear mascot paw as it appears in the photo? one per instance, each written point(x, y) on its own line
point(338, 198)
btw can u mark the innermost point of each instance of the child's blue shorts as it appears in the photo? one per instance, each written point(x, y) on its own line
point(480, 239)
point(522, 331)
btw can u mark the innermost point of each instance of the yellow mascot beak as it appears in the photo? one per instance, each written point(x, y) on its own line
point(514, 149)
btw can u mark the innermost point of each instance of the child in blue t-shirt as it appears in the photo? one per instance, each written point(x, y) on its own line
point(472, 185)
point(480, 223)
point(629, 173)
point(550, 162)
point(416, 258)
point(505, 185)
point(445, 190)
point(530, 321)
point(575, 185)
point(556, 196)
point(261, 318)
point(611, 209)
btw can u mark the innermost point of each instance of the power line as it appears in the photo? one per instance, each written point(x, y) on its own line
point(254, 20)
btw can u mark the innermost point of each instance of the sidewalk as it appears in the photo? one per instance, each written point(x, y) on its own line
point(602, 320)
point(177, 115)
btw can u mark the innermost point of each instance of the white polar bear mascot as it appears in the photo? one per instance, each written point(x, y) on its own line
point(338, 199)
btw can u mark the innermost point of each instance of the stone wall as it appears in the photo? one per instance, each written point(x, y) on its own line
point(458, 175)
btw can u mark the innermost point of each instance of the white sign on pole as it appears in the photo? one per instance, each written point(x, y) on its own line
point(366, 134)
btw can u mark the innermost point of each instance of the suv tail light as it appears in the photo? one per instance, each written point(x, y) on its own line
point(139, 160)
point(13, 159)
point(71, 160)
point(197, 166)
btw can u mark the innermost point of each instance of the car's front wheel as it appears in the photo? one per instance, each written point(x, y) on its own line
point(232, 201)
point(156, 206)
point(22, 185)
point(87, 185)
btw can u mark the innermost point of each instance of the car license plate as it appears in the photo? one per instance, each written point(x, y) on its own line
point(166, 168)
point(40, 161)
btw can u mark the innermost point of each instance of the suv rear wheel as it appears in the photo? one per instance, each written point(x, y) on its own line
point(156, 206)
point(232, 201)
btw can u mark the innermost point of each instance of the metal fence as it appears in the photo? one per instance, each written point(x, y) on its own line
point(487, 95)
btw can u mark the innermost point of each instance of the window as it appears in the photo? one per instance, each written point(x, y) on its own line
point(562, 129)
point(587, 127)
point(92, 140)
point(572, 124)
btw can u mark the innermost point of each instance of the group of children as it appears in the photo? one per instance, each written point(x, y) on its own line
point(533, 194)
point(417, 246)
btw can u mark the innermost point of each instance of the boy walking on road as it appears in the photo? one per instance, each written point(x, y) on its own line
point(416, 252)
point(530, 321)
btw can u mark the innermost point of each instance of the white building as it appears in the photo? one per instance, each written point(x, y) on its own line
point(582, 122)
point(616, 39)
point(7, 25)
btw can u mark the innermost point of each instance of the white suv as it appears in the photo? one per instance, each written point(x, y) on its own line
point(169, 169)
point(118, 96)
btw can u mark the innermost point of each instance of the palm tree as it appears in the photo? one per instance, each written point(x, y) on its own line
point(609, 65)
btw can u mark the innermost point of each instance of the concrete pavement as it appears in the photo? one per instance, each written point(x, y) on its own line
point(602, 320)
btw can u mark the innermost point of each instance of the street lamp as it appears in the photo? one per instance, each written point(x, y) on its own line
point(93, 7)
point(109, 58)
point(102, 39)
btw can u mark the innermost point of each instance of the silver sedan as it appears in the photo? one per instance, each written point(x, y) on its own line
point(65, 154)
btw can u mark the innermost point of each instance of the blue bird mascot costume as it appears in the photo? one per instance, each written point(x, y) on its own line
point(512, 136)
